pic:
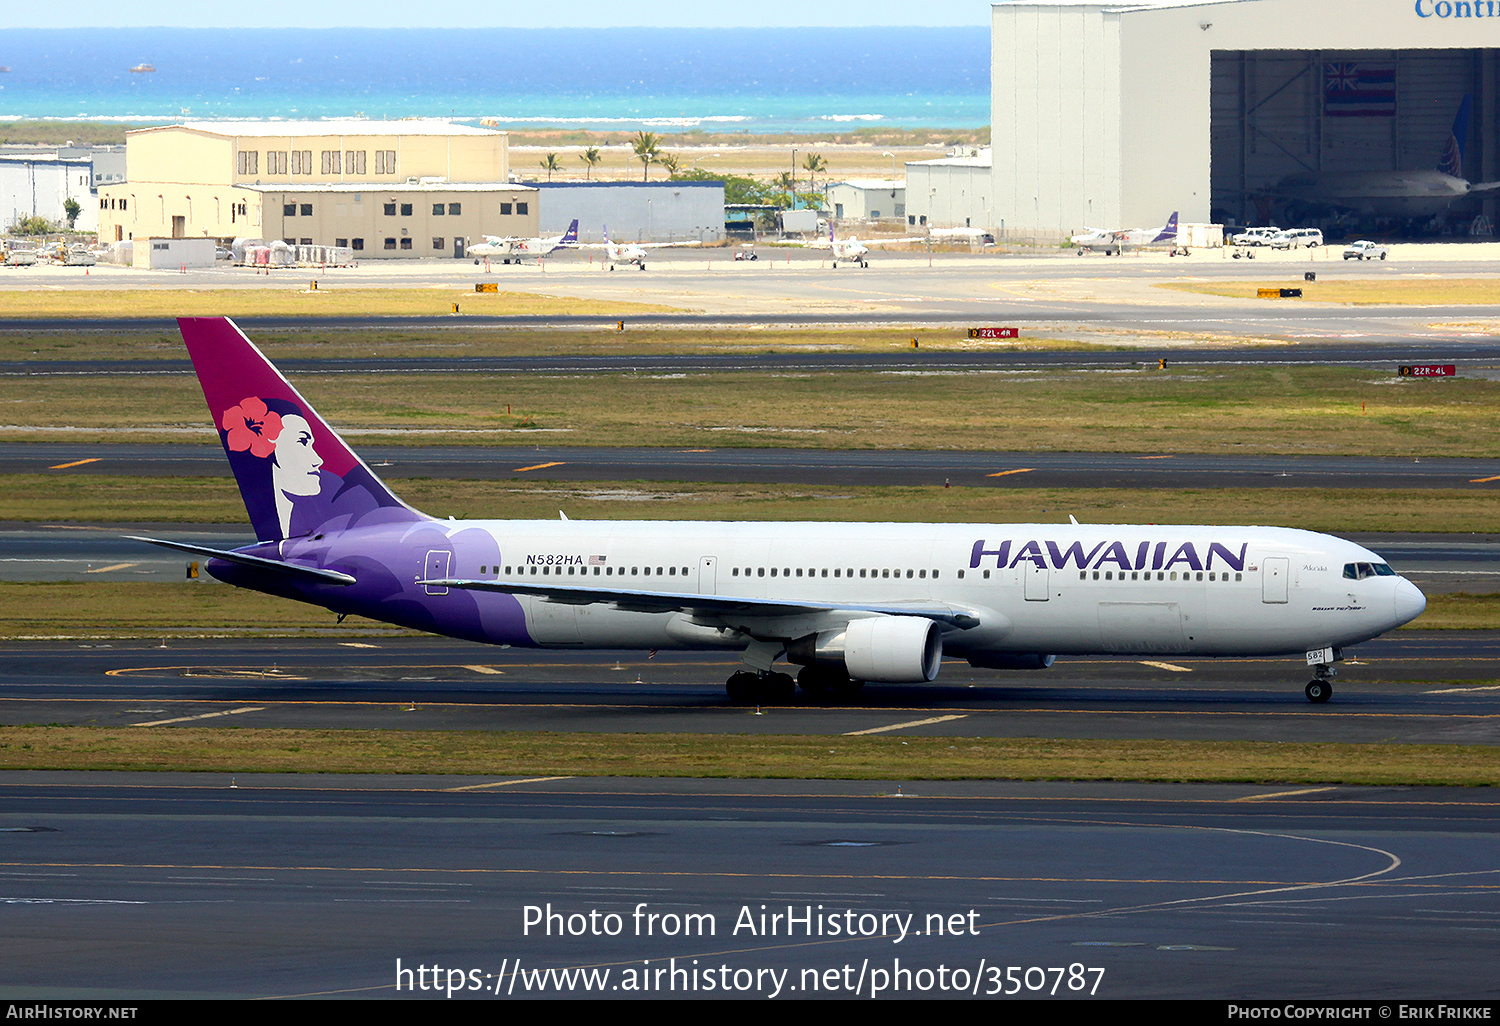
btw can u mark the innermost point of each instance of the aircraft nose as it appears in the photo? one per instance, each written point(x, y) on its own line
point(1409, 601)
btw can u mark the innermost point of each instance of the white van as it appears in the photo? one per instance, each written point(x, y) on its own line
point(1297, 238)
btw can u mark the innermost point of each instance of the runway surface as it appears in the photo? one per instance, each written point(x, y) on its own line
point(1411, 687)
point(997, 469)
point(131, 886)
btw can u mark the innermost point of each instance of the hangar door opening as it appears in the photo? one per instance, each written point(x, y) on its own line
point(1356, 142)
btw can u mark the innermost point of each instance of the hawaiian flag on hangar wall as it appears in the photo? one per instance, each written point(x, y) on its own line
point(1359, 90)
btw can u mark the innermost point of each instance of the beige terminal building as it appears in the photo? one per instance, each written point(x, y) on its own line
point(382, 188)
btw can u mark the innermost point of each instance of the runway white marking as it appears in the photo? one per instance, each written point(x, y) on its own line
point(1281, 794)
point(505, 783)
point(903, 726)
point(201, 716)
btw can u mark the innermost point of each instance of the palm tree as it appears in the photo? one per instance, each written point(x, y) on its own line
point(591, 159)
point(784, 182)
point(551, 164)
point(647, 147)
point(813, 163)
point(670, 162)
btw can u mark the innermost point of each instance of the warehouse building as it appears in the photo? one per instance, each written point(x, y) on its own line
point(665, 211)
point(1115, 115)
point(384, 189)
point(40, 185)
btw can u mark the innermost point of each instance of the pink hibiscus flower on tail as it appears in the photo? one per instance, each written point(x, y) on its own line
point(251, 425)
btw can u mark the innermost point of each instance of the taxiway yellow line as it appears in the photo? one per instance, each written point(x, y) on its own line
point(1167, 666)
point(76, 463)
point(114, 566)
point(539, 466)
point(1004, 473)
point(1482, 480)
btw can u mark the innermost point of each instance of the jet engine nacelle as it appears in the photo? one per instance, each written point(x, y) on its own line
point(883, 649)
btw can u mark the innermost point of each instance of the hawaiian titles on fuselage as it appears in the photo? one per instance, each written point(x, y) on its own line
point(1144, 555)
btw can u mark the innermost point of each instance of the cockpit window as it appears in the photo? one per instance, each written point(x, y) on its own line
point(1359, 571)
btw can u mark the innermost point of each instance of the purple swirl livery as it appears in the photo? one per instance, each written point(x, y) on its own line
point(847, 603)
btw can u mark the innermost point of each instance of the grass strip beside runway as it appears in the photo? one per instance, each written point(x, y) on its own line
point(1241, 410)
point(114, 609)
point(893, 758)
point(78, 497)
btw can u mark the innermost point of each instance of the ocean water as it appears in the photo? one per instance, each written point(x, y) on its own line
point(756, 80)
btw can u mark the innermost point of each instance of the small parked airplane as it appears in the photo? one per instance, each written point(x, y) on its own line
point(849, 603)
point(512, 250)
point(630, 252)
point(1115, 241)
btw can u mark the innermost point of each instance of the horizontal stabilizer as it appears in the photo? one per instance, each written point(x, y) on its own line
point(309, 573)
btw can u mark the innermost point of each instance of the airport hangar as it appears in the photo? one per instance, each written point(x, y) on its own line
point(1115, 115)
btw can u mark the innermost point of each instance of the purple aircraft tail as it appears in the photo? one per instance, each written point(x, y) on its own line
point(1169, 230)
point(296, 475)
point(1452, 162)
point(571, 235)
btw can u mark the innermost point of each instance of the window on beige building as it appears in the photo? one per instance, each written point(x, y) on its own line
point(385, 162)
point(330, 162)
point(249, 162)
point(276, 162)
point(354, 162)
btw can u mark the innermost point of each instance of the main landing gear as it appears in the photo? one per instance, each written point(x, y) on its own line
point(819, 683)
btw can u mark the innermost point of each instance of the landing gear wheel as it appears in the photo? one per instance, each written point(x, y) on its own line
point(742, 688)
point(643, 265)
point(746, 688)
point(1318, 691)
point(847, 690)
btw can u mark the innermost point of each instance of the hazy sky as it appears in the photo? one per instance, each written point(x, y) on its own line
point(460, 13)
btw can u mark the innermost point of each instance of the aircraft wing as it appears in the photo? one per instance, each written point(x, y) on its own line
point(892, 242)
point(630, 600)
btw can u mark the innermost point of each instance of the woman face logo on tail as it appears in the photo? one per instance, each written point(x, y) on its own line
point(284, 440)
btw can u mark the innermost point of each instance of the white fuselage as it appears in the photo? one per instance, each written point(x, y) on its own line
point(1030, 588)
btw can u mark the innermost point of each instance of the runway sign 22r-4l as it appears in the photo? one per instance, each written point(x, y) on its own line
point(1427, 370)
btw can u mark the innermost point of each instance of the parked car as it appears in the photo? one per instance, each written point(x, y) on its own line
point(1364, 250)
point(1297, 238)
point(1255, 237)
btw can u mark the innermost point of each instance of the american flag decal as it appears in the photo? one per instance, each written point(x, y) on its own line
point(1359, 90)
point(596, 561)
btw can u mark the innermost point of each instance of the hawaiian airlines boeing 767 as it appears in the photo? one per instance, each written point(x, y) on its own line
point(849, 603)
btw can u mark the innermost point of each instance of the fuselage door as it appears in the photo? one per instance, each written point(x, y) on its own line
point(708, 575)
point(1274, 572)
point(1037, 579)
point(435, 567)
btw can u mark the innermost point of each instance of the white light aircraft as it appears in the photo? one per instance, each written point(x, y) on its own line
point(513, 250)
point(848, 603)
point(631, 252)
point(852, 250)
point(1115, 241)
